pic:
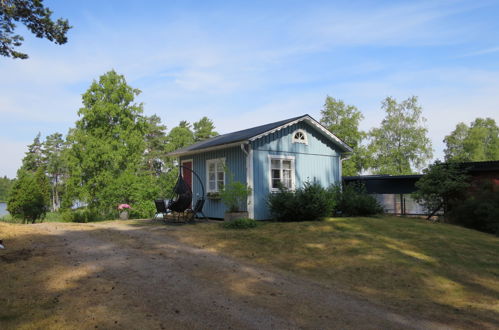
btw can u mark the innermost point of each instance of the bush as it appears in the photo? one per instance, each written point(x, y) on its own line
point(29, 198)
point(353, 200)
point(282, 205)
point(234, 195)
point(81, 215)
point(311, 202)
point(143, 210)
point(243, 223)
point(480, 211)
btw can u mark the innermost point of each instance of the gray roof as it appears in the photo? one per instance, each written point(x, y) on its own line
point(242, 136)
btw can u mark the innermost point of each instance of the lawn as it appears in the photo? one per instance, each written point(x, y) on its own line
point(439, 271)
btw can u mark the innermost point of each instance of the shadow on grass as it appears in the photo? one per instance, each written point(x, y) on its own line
point(440, 271)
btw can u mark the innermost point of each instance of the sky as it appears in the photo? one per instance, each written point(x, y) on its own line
point(249, 63)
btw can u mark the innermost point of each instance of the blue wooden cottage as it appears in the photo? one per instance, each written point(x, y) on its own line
point(288, 152)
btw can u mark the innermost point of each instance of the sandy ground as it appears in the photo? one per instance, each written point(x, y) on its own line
point(123, 275)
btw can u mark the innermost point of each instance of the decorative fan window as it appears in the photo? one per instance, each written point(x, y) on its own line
point(300, 136)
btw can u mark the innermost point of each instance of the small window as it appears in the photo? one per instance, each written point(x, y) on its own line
point(215, 174)
point(282, 173)
point(300, 136)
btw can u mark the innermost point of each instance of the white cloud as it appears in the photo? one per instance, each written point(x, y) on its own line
point(483, 52)
point(12, 155)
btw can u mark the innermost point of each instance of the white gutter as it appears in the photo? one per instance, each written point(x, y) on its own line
point(249, 178)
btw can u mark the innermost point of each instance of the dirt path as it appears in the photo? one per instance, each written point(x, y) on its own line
point(116, 275)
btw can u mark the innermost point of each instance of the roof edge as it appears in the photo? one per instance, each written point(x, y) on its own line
point(198, 151)
point(314, 123)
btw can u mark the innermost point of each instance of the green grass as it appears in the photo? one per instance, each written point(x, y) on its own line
point(49, 217)
point(410, 264)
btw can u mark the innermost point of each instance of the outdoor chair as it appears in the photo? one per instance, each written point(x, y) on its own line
point(161, 208)
point(197, 209)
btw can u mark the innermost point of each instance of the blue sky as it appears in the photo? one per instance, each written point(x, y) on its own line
point(253, 62)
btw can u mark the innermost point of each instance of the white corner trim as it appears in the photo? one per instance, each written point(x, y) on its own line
point(249, 182)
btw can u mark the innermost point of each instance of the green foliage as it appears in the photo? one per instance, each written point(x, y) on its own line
point(353, 200)
point(180, 136)
point(156, 145)
point(33, 158)
point(143, 210)
point(282, 205)
point(82, 215)
point(442, 185)
point(106, 147)
point(204, 129)
point(243, 223)
point(477, 142)
point(343, 121)
point(29, 198)
point(53, 148)
point(35, 17)
point(479, 211)
point(401, 144)
point(5, 187)
point(234, 195)
point(305, 204)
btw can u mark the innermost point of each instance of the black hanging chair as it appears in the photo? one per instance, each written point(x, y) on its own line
point(181, 199)
point(181, 195)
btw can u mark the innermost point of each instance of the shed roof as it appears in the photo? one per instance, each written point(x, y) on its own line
point(254, 133)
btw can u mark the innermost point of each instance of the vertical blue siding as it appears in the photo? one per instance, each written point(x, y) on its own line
point(319, 161)
point(235, 160)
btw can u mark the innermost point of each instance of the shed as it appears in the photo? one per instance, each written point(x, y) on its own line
point(393, 192)
point(289, 152)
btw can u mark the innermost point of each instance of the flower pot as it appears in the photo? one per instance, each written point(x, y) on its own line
point(230, 216)
point(124, 215)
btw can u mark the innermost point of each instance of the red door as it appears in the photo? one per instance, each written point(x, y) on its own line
point(186, 174)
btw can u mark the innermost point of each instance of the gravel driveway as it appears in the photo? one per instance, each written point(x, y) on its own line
point(120, 275)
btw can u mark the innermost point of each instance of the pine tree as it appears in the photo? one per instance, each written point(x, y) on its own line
point(204, 129)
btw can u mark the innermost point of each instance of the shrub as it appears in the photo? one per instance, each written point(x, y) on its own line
point(81, 215)
point(143, 210)
point(479, 211)
point(234, 195)
point(353, 200)
point(243, 223)
point(282, 205)
point(308, 203)
point(312, 202)
point(29, 198)
point(442, 185)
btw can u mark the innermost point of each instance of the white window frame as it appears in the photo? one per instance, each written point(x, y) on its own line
point(214, 161)
point(293, 170)
point(304, 141)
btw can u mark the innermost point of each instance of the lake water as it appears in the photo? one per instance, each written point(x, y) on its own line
point(3, 209)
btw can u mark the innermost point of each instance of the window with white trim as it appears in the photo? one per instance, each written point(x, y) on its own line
point(282, 173)
point(215, 174)
point(300, 136)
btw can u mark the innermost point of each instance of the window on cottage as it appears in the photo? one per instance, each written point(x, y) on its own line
point(300, 136)
point(282, 173)
point(215, 174)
